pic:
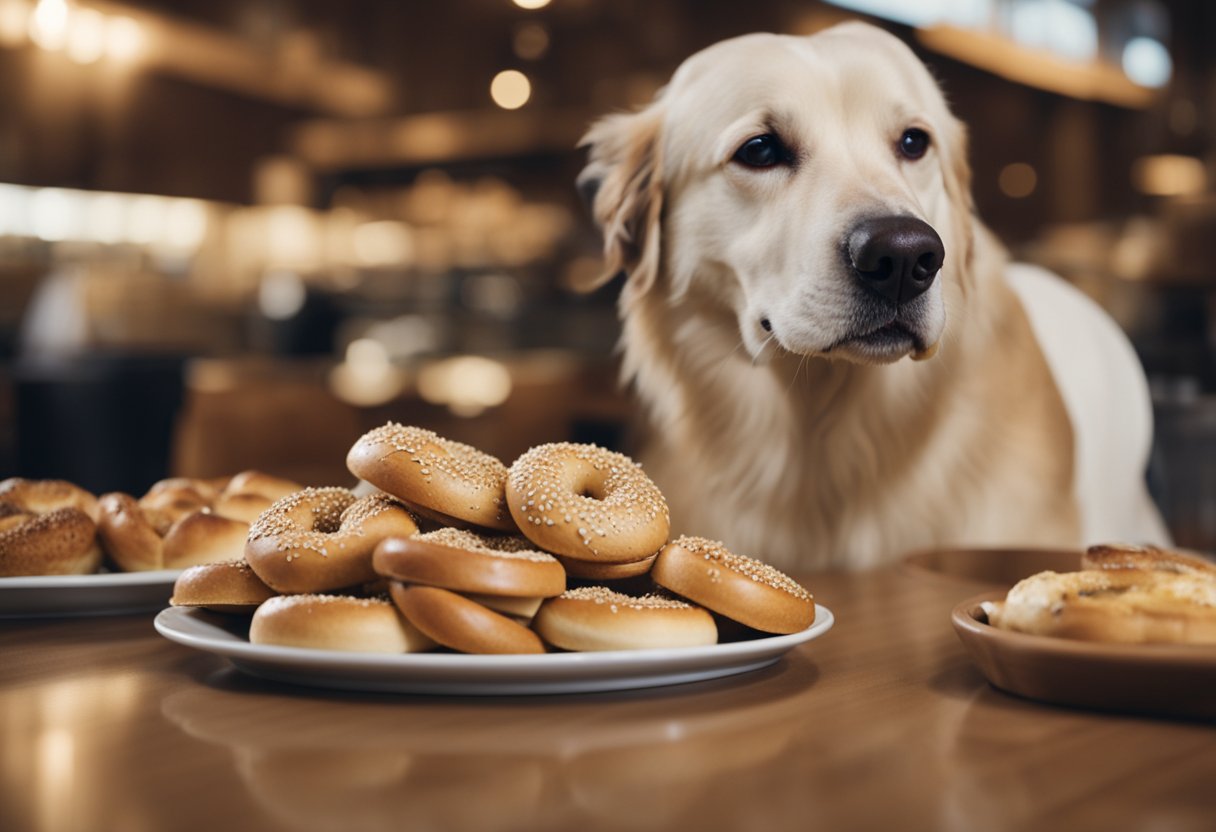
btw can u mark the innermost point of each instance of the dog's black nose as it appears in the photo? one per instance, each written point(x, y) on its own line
point(897, 257)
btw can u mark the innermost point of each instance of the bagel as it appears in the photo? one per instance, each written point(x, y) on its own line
point(245, 507)
point(1118, 556)
point(256, 482)
point(335, 622)
point(590, 570)
point(137, 539)
point(461, 624)
point(450, 482)
point(587, 503)
point(734, 586)
point(230, 587)
point(321, 539)
point(1126, 606)
point(462, 561)
point(597, 618)
point(61, 542)
point(46, 496)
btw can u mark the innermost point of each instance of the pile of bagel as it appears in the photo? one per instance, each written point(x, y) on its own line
point(443, 546)
point(53, 527)
point(1122, 594)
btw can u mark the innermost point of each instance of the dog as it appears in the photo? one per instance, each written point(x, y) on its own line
point(838, 362)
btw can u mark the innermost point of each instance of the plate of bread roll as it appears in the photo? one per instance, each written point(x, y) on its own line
point(448, 571)
point(65, 551)
point(1132, 630)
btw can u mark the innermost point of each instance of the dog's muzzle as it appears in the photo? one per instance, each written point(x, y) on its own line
point(897, 257)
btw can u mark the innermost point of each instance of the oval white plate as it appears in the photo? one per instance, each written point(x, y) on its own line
point(454, 673)
point(106, 593)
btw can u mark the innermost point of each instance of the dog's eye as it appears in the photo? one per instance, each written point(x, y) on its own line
point(913, 143)
point(761, 152)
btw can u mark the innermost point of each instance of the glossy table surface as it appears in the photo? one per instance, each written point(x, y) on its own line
point(883, 723)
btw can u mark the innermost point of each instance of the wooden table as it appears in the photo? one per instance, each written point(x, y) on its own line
point(883, 724)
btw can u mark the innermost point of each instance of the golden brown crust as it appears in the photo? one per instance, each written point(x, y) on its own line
point(587, 503)
point(461, 624)
point(335, 622)
point(321, 539)
point(1123, 556)
point(597, 618)
point(462, 561)
point(449, 481)
point(128, 534)
point(223, 587)
point(737, 587)
point(243, 506)
point(45, 496)
point(589, 570)
point(60, 542)
point(203, 537)
point(259, 483)
point(1127, 606)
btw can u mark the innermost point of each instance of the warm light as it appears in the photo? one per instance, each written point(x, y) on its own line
point(54, 214)
point(14, 20)
point(531, 41)
point(292, 237)
point(466, 384)
point(14, 211)
point(185, 225)
point(384, 243)
point(124, 38)
point(1017, 180)
point(281, 295)
point(145, 220)
point(531, 4)
point(49, 24)
point(367, 376)
point(1169, 175)
point(510, 89)
point(1147, 62)
point(104, 219)
point(86, 36)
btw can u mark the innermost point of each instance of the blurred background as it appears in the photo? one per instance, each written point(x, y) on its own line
point(239, 233)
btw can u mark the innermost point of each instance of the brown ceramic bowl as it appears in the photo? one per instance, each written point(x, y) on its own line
point(1158, 679)
point(1003, 567)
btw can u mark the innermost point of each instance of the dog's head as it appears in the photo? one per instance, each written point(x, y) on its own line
point(816, 187)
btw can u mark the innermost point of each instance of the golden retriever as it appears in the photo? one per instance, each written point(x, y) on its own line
point(838, 361)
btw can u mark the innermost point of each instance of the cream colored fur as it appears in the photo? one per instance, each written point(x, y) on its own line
point(797, 446)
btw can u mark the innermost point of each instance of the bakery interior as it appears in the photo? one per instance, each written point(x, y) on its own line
point(239, 234)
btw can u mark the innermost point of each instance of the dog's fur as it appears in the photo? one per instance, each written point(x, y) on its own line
point(808, 446)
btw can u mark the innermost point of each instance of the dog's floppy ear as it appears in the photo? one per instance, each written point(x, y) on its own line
point(622, 183)
point(957, 172)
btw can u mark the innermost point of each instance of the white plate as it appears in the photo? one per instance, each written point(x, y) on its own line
point(453, 673)
point(105, 593)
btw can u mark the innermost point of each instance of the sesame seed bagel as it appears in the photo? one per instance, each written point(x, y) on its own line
point(1126, 606)
point(462, 561)
point(61, 542)
point(335, 622)
point(46, 496)
point(591, 570)
point(587, 503)
point(450, 482)
point(230, 587)
point(740, 588)
point(460, 623)
point(320, 539)
point(1119, 556)
point(597, 618)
